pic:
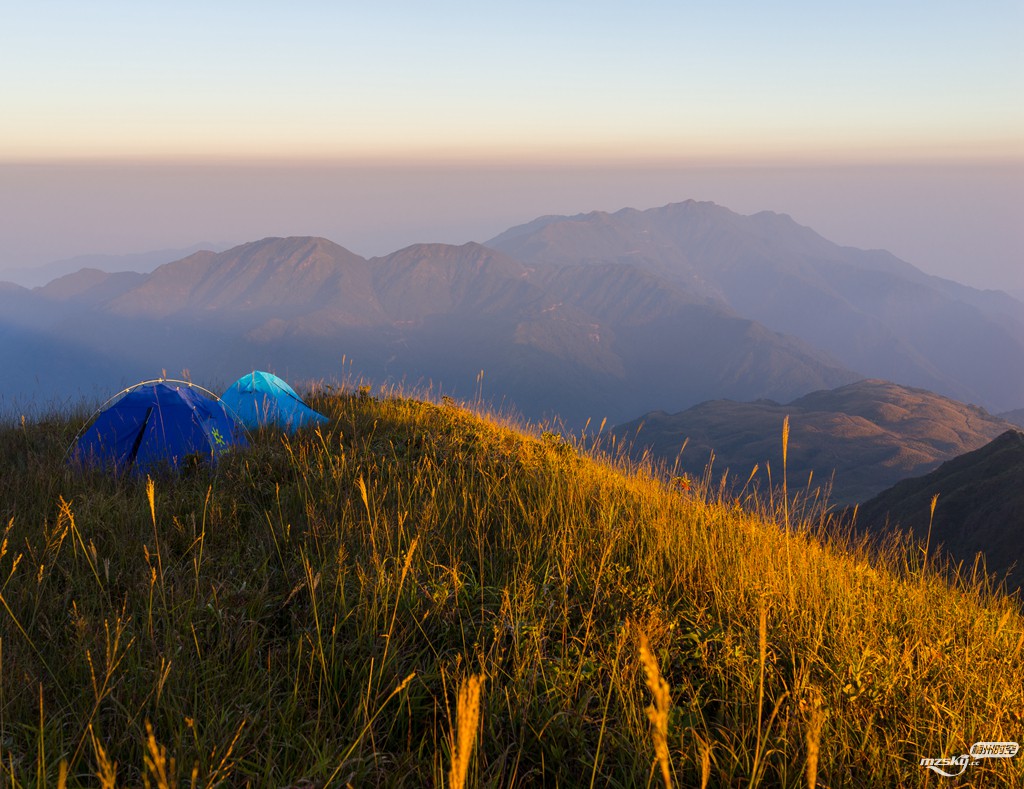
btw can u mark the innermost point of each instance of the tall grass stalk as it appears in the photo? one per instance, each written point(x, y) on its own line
point(814, 724)
point(464, 732)
point(928, 539)
point(658, 711)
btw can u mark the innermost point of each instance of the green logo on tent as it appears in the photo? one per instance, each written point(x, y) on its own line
point(217, 437)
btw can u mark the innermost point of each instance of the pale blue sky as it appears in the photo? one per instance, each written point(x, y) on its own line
point(651, 79)
point(882, 123)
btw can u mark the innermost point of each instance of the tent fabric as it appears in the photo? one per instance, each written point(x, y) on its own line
point(158, 424)
point(262, 399)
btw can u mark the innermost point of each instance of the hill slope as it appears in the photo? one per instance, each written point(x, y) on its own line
point(306, 615)
point(870, 434)
point(980, 507)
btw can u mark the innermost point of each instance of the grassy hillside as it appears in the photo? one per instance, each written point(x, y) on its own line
point(307, 615)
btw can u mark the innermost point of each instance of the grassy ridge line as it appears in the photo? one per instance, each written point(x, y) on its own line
point(254, 625)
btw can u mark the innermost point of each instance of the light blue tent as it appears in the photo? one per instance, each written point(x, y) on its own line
point(261, 399)
point(158, 424)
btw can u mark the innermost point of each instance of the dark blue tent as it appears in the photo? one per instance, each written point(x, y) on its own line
point(158, 423)
point(261, 399)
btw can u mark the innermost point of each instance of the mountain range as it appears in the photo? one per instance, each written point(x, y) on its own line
point(597, 316)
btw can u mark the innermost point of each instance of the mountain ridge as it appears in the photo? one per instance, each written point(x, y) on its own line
point(859, 438)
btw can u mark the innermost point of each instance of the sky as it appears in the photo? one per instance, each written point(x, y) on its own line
point(135, 126)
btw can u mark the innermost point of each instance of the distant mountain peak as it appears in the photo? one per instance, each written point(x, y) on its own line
point(287, 247)
point(270, 275)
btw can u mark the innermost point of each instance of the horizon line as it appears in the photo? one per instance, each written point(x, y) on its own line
point(546, 160)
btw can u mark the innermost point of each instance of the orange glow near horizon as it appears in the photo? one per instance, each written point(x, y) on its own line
point(725, 151)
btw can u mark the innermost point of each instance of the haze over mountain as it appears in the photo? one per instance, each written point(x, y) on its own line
point(873, 312)
point(589, 317)
point(863, 437)
point(1016, 416)
point(142, 262)
point(980, 508)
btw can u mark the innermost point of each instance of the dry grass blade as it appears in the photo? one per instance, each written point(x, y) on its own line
point(928, 540)
point(151, 496)
point(704, 751)
point(785, 440)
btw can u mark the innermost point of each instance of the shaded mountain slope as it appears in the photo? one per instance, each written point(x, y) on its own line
point(980, 508)
point(43, 373)
point(20, 306)
point(869, 435)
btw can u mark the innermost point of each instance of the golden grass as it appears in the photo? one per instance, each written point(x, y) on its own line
point(294, 619)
